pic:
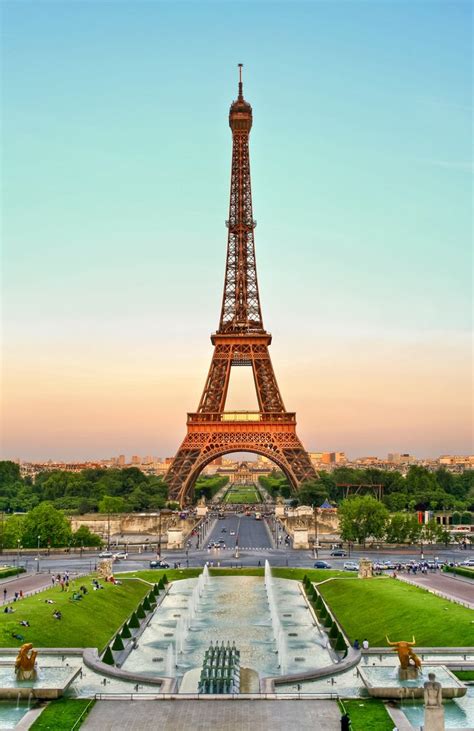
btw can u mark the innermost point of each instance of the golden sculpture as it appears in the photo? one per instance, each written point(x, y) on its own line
point(25, 662)
point(406, 655)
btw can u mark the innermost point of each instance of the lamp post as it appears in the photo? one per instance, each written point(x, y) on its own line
point(18, 558)
point(316, 536)
point(38, 556)
point(159, 535)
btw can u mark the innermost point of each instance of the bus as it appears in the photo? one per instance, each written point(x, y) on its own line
point(258, 516)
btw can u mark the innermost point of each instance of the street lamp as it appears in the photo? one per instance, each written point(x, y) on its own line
point(316, 532)
point(18, 558)
point(159, 535)
point(38, 556)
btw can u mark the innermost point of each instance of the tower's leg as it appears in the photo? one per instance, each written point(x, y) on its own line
point(201, 447)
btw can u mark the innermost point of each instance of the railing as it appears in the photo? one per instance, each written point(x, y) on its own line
point(242, 416)
point(296, 695)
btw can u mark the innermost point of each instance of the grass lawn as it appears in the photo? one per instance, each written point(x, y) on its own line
point(464, 675)
point(61, 715)
point(243, 496)
point(367, 714)
point(90, 622)
point(374, 608)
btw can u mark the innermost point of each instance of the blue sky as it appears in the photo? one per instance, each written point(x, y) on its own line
point(116, 156)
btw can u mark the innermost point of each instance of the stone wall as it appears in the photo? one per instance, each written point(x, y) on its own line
point(299, 519)
point(123, 524)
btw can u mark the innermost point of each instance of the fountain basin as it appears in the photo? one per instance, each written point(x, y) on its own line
point(383, 682)
point(50, 683)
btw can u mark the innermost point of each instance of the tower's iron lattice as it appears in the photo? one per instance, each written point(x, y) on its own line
point(241, 340)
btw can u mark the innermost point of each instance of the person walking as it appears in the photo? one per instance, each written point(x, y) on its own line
point(365, 644)
point(5, 595)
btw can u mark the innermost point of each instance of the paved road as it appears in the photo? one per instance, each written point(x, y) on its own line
point(249, 533)
point(220, 715)
point(462, 590)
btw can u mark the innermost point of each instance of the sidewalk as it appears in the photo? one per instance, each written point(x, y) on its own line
point(444, 585)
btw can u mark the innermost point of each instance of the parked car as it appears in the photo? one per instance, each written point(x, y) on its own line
point(159, 565)
point(106, 554)
point(351, 566)
point(339, 552)
point(322, 565)
point(120, 555)
point(232, 533)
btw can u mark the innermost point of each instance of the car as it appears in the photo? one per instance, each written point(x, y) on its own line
point(388, 565)
point(322, 565)
point(351, 566)
point(106, 554)
point(159, 565)
point(232, 533)
point(121, 554)
point(468, 562)
point(339, 552)
point(224, 530)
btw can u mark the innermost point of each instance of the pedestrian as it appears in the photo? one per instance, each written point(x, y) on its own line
point(53, 580)
point(365, 644)
point(21, 593)
point(356, 645)
point(5, 595)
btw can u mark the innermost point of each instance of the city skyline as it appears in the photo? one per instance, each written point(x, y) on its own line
point(115, 243)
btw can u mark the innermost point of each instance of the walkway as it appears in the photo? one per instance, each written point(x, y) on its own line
point(305, 715)
point(453, 588)
point(28, 583)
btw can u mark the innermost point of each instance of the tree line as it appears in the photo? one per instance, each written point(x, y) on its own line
point(420, 489)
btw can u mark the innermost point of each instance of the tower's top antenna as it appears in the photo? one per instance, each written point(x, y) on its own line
point(240, 81)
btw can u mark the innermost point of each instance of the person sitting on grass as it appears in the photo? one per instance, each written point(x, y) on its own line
point(83, 589)
point(48, 601)
point(57, 614)
point(24, 623)
point(8, 610)
point(17, 637)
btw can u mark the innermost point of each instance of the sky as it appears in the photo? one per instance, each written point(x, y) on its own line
point(116, 158)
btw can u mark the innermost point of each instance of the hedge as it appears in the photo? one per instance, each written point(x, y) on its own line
point(460, 571)
point(108, 657)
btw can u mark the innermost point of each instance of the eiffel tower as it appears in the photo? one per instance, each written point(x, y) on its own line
point(242, 341)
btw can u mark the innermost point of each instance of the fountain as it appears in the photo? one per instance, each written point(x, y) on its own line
point(170, 663)
point(410, 664)
point(29, 682)
point(278, 631)
point(25, 663)
point(220, 670)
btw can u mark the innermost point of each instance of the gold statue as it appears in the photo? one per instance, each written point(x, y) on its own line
point(25, 662)
point(406, 655)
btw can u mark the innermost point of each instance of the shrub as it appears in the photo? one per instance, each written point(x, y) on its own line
point(340, 644)
point(334, 631)
point(140, 612)
point(107, 657)
point(161, 584)
point(117, 643)
point(125, 633)
point(133, 621)
point(146, 604)
point(164, 579)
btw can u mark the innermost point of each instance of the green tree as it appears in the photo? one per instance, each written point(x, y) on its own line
point(83, 536)
point(361, 518)
point(12, 531)
point(398, 528)
point(111, 504)
point(49, 524)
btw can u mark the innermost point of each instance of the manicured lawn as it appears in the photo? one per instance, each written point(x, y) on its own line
point(464, 675)
point(367, 715)
point(61, 715)
point(374, 608)
point(243, 496)
point(90, 622)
